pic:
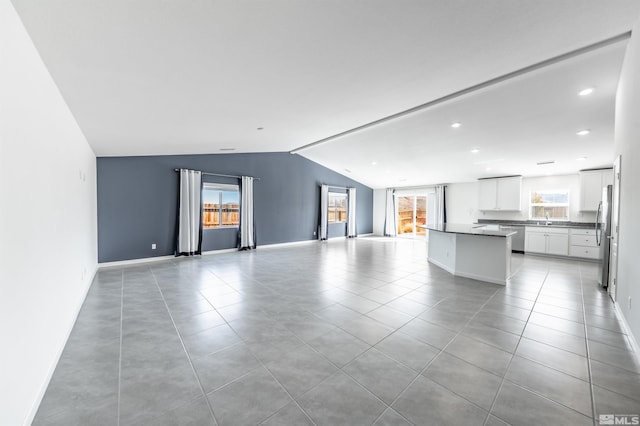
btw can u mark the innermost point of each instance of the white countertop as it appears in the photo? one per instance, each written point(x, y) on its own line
point(459, 228)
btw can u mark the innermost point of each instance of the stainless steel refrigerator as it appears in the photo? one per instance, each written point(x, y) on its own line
point(603, 233)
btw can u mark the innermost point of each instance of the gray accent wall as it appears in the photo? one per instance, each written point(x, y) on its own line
point(137, 199)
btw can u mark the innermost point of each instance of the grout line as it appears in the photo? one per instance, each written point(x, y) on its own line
point(305, 344)
point(538, 393)
point(586, 343)
point(193, 369)
point(513, 354)
point(339, 369)
point(262, 364)
point(121, 338)
point(420, 374)
point(290, 396)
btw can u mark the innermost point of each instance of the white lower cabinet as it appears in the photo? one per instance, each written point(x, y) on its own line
point(535, 242)
point(558, 244)
point(582, 243)
point(546, 240)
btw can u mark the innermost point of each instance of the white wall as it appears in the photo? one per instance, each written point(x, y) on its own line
point(462, 200)
point(379, 206)
point(627, 141)
point(48, 233)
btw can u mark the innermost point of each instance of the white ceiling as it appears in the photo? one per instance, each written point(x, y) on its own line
point(147, 77)
point(515, 125)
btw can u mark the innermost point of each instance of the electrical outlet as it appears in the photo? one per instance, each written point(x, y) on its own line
point(153, 246)
point(314, 233)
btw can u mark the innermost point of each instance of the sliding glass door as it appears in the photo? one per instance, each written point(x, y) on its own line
point(412, 211)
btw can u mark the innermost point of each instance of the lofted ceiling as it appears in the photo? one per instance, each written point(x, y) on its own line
point(147, 77)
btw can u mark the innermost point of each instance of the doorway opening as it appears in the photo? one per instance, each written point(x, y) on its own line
point(412, 211)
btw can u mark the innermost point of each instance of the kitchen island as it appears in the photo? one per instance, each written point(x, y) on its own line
point(471, 251)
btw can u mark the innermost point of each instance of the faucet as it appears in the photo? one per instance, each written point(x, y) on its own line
point(548, 222)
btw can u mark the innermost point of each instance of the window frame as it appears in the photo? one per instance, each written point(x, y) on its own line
point(221, 188)
point(335, 195)
point(566, 205)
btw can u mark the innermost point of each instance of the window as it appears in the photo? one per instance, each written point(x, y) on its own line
point(220, 205)
point(551, 204)
point(412, 211)
point(337, 207)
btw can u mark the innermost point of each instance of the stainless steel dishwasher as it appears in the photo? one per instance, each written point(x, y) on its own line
point(517, 240)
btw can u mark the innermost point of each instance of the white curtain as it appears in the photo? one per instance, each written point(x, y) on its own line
point(247, 227)
point(390, 229)
point(351, 213)
point(323, 228)
point(441, 211)
point(189, 213)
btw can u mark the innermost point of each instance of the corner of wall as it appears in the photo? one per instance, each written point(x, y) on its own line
point(49, 253)
point(627, 134)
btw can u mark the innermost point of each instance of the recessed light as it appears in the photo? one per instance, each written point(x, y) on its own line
point(545, 163)
point(456, 125)
point(581, 158)
point(488, 169)
point(586, 92)
point(583, 132)
point(260, 128)
point(347, 170)
point(475, 150)
point(373, 163)
point(227, 149)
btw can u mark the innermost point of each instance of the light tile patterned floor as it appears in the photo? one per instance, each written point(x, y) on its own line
point(354, 332)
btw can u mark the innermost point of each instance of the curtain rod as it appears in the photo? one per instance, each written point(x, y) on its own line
point(339, 187)
point(219, 174)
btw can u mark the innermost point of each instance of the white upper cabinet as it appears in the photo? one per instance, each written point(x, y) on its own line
point(487, 194)
point(509, 194)
point(591, 184)
point(500, 194)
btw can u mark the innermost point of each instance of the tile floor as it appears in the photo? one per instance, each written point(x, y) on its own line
point(358, 332)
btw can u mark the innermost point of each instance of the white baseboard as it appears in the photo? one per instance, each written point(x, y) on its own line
point(292, 243)
point(441, 265)
point(466, 274)
point(133, 261)
point(627, 329)
point(206, 253)
point(210, 252)
point(481, 278)
point(52, 368)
